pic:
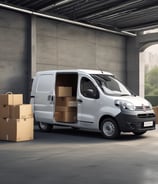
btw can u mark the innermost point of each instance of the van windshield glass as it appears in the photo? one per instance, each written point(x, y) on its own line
point(110, 85)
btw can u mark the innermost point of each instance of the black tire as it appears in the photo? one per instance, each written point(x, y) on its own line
point(109, 128)
point(139, 133)
point(75, 128)
point(45, 127)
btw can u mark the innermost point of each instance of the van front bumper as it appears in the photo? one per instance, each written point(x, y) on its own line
point(136, 123)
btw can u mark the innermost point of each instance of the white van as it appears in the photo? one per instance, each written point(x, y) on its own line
point(89, 99)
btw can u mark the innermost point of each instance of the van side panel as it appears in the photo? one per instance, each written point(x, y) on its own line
point(44, 98)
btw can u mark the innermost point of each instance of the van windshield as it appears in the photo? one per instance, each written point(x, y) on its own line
point(110, 85)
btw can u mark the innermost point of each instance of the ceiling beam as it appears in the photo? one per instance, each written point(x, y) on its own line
point(141, 27)
point(110, 10)
point(54, 5)
point(125, 33)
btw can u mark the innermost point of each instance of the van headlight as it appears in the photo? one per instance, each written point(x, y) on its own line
point(125, 105)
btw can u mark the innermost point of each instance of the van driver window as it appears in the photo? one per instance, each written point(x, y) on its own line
point(86, 87)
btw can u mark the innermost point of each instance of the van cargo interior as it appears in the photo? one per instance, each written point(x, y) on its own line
point(66, 103)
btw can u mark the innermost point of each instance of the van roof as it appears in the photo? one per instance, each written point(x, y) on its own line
point(84, 71)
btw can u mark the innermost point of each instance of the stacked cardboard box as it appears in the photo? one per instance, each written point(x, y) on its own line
point(16, 118)
point(155, 108)
point(66, 105)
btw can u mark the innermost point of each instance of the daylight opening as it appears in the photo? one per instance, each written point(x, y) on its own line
point(151, 31)
point(149, 63)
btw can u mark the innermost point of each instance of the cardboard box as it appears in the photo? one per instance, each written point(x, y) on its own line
point(70, 116)
point(20, 111)
point(65, 108)
point(58, 116)
point(155, 108)
point(11, 99)
point(16, 129)
point(66, 101)
point(63, 91)
point(4, 111)
point(67, 117)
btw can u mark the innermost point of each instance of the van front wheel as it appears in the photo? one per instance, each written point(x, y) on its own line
point(109, 128)
point(45, 126)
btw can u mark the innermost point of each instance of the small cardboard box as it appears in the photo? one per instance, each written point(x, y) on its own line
point(16, 129)
point(11, 99)
point(4, 111)
point(66, 101)
point(20, 111)
point(63, 91)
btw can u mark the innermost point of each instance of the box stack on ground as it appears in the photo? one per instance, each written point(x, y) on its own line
point(66, 105)
point(155, 108)
point(16, 118)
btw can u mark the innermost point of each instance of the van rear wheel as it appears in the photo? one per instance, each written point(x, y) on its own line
point(45, 126)
point(109, 128)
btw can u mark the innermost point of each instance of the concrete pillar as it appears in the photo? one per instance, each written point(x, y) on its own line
point(33, 46)
point(132, 67)
point(141, 75)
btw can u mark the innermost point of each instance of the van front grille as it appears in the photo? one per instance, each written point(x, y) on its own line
point(141, 108)
point(148, 115)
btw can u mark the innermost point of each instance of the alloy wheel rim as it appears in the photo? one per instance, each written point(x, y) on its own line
point(108, 128)
point(43, 126)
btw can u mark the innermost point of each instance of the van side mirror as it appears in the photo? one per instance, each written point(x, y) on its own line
point(91, 93)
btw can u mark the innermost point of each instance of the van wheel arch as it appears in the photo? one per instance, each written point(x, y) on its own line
point(109, 127)
point(106, 116)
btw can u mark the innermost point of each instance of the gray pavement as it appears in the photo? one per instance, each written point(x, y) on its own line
point(67, 156)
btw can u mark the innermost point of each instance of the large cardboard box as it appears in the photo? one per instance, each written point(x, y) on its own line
point(70, 116)
point(67, 116)
point(155, 108)
point(20, 111)
point(65, 108)
point(66, 101)
point(4, 111)
point(58, 116)
point(11, 99)
point(63, 91)
point(16, 129)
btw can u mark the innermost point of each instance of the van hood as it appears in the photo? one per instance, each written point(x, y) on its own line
point(135, 100)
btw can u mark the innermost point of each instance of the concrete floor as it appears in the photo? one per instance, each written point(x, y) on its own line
point(66, 156)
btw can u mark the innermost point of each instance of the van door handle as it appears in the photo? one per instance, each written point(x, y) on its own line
point(50, 98)
point(79, 100)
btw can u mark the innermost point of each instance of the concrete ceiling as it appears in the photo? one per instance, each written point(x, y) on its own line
point(117, 15)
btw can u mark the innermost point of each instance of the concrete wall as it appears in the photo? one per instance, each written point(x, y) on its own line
point(62, 46)
point(14, 52)
point(54, 45)
point(146, 40)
